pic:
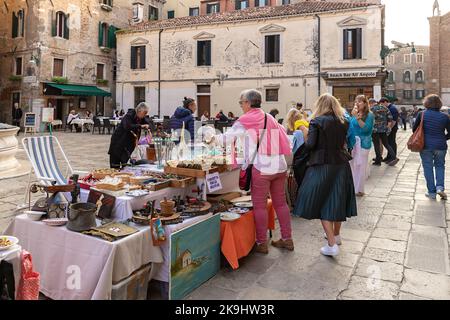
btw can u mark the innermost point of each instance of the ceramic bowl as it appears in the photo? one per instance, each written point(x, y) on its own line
point(35, 215)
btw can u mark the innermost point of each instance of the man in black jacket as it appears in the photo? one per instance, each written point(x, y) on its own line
point(17, 115)
point(127, 134)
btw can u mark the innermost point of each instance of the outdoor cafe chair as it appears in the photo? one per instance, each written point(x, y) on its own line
point(97, 124)
point(107, 125)
point(42, 156)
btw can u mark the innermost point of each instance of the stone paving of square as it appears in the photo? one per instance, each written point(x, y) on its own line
point(397, 248)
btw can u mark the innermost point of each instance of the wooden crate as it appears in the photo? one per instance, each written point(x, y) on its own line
point(189, 172)
point(181, 183)
point(158, 186)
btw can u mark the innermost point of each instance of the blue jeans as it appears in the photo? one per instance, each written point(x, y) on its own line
point(434, 159)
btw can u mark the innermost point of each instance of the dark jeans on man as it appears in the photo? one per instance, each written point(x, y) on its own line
point(16, 122)
point(382, 138)
point(392, 139)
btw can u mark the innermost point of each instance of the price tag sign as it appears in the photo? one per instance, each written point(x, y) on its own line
point(213, 182)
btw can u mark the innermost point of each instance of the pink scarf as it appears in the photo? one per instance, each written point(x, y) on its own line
point(275, 141)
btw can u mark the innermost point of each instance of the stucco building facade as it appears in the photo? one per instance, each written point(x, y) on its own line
point(408, 72)
point(214, 58)
point(72, 43)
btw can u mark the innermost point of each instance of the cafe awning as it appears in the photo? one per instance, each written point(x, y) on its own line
point(78, 90)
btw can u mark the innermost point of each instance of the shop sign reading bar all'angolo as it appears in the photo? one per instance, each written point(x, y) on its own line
point(352, 74)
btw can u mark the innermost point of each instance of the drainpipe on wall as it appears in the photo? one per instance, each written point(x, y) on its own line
point(159, 73)
point(319, 56)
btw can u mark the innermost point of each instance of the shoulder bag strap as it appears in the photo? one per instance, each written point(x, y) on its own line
point(259, 139)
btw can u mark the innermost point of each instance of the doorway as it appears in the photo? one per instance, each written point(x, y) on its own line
point(59, 112)
point(203, 100)
point(347, 95)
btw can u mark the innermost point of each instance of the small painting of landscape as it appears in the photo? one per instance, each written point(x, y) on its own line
point(195, 256)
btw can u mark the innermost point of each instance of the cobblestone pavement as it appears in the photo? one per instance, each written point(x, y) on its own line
point(397, 247)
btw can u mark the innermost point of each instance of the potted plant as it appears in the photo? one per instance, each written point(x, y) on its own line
point(15, 78)
point(102, 82)
point(60, 80)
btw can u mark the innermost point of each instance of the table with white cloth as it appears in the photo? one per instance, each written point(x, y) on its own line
point(13, 256)
point(57, 123)
point(82, 122)
point(75, 266)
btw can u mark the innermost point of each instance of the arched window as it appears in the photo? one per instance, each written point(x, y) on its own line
point(18, 24)
point(407, 76)
point(391, 77)
point(419, 76)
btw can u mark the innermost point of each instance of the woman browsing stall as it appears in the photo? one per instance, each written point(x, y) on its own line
point(127, 134)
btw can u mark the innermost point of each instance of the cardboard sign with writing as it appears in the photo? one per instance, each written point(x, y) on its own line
point(213, 182)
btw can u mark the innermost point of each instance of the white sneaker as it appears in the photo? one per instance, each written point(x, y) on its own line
point(337, 238)
point(431, 196)
point(330, 251)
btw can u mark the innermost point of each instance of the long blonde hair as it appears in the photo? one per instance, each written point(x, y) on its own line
point(327, 104)
point(293, 116)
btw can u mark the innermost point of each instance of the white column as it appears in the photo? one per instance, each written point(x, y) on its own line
point(377, 92)
point(330, 89)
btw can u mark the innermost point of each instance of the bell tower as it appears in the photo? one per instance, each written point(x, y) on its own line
point(436, 8)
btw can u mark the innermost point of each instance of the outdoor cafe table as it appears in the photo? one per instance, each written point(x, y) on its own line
point(59, 255)
point(82, 122)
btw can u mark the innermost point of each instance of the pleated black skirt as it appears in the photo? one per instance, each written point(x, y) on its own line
point(327, 193)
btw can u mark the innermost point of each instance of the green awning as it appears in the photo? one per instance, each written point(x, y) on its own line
point(77, 90)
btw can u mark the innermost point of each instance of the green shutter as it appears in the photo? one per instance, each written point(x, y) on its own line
point(53, 24)
point(112, 37)
point(15, 25)
point(66, 27)
point(100, 34)
point(133, 58)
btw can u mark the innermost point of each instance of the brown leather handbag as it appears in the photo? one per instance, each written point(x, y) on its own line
point(416, 142)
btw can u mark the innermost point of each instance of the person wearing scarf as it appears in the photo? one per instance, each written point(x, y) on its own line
point(269, 171)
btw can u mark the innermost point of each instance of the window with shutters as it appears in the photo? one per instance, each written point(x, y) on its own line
point(241, 4)
point(204, 53)
point(407, 94)
point(18, 24)
point(284, 2)
point(272, 95)
point(391, 78)
point(138, 57)
point(171, 14)
point(261, 3)
point(407, 58)
point(58, 67)
point(420, 94)
point(18, 66)
point(153, 13)
point(212, 8)
point(352, 43)
point(390, 93)
point(391, 59)
point(103, 35)
point(139, 95)
point(272, 49)
point(419, 58)
point(407, 76)
point(419, 76)
point(114, 71)
point(193, 12)
point(107, 2)
point(100, 71)
point(60, 25)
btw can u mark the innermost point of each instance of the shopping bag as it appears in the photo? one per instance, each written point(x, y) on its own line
point(29, 280)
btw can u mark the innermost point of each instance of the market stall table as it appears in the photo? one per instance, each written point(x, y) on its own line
point(238, 237)
point(59, 255)
point(13, 256)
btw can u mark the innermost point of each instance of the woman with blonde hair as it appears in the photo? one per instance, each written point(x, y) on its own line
point(291, 118)
point(327, 192)
point(361, 127)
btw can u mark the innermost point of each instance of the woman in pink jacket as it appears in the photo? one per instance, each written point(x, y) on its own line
point(269, 171)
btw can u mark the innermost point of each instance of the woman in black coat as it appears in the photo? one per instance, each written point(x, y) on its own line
point(327, 191)
point(127, 134)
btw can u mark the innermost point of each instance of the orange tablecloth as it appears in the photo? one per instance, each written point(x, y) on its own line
point(238, 237)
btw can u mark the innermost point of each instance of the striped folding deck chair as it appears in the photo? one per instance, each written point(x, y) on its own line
point(41, 153)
